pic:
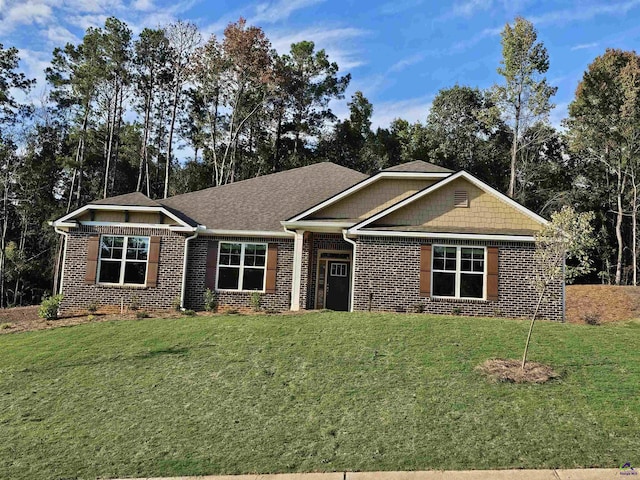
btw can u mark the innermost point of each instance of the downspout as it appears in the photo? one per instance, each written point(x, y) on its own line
point(298, 245)
point(64, 255)
point(184, 264)
point(353, 269)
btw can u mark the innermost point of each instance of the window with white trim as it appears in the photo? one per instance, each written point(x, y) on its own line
point(123, 260)
point(241, 266)
point(458, 272)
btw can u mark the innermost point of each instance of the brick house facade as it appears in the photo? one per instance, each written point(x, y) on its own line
point(415, 237)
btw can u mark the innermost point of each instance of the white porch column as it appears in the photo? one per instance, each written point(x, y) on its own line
point(297, 270)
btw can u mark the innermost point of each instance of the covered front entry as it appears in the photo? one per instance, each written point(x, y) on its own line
point(333, 280)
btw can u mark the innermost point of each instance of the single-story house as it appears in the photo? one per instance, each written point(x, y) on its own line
point(415, 236)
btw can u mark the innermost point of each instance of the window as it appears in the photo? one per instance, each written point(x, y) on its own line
point(458, 272)
point(241, 266)
point(338, 270)
point(123, 260)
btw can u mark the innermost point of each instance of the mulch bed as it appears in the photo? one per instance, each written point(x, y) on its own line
point(601, 303)
point(509, 370)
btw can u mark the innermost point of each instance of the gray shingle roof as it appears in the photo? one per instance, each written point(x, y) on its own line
point(418, 166)
point(135, 199)
point(261, 203)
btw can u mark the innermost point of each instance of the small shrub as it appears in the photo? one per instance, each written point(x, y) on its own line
point(456, 311)
point(49, 307)
point(417, 308)
point(497, 312)
point(591, 318)
point(176, 304)
point(210, 300)
point(92, 307)
point(142, 314)
point(188, 313)
point(256, 301)
point(6, 326)
point(91, 318)
point(134, 305)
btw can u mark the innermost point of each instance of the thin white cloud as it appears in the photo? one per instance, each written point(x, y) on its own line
point(330, 39)
point(406, 62)
point(143, 5)
point(59, 35)
point(26, 13)
point(272, 12)
point(412, 109)
point(582, 12)
point(584, 46)
point(470, 7)
point(398, 6)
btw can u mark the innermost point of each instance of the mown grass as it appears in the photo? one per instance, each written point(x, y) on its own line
point(314, 392)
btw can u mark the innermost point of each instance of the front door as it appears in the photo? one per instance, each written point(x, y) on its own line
point(338, 286)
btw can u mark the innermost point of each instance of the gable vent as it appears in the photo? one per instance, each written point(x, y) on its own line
point(460, 199)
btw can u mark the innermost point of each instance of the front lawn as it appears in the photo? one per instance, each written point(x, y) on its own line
point(313, 392)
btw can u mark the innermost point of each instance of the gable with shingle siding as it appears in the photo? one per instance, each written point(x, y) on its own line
point(372, 199)
point(437, 210)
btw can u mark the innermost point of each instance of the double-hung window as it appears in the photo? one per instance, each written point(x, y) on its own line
point(123, 260)
point(241, 266)
point(458, 272)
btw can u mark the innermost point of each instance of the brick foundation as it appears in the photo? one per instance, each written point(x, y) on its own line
point(388, 279)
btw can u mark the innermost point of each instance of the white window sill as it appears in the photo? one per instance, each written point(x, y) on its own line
point(238, 291)
point(459, 299)
point(123, 285)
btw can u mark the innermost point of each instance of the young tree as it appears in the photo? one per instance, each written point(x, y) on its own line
point(568, 236)
point(525, 96)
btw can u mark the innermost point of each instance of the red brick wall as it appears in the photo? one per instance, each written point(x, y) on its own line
point(78, 295)
point(280, 300)
point(388, 279)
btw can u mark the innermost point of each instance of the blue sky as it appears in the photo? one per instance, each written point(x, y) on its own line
point(400, 53)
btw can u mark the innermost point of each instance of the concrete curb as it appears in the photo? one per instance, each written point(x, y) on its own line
point(572, 474)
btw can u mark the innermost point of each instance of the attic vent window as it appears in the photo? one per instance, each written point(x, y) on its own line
point(461, 199)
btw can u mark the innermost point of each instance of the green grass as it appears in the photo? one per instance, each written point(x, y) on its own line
point(315, 392)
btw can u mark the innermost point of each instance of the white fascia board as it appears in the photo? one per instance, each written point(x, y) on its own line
point(451, 236)
point(121, 208)
point(307, 224)
point(461, 174)
point(246, 233)
point(365, 183)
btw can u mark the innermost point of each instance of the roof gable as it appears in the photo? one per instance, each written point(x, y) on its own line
point(418, 166)
point(134, 199)
point(432, 209)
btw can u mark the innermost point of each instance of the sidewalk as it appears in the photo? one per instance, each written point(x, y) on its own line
point(575, 474)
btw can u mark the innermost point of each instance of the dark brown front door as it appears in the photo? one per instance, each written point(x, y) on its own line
point(338, 286)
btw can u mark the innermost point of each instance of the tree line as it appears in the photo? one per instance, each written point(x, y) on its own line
point(168, 111)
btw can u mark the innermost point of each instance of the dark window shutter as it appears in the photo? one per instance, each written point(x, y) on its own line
point(154, 257)
point(212, 265)
point(272, 263)
point(425, 270)
point(93, 247)
point(492, 274)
